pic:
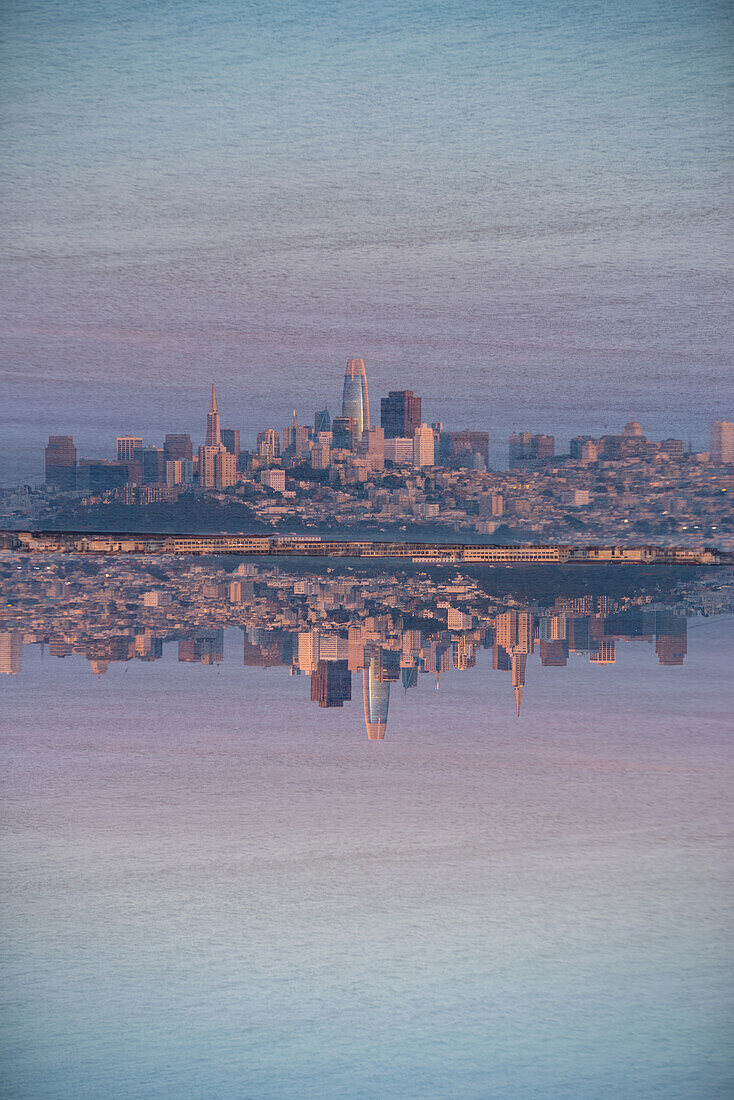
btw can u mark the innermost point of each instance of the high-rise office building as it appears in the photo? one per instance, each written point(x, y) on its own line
point(100, 476)
point(61, 462)
point(207, 466)
point(671, 637)
point(576, 446)
point(308, 651)
point(11, 652)
point(630, 444)
point(400, 413)
point(554, 654)
point(268, 444)
point(526, 447)
point(321, 456)
point(722, 441)
point(355, 399)
point(322, 421)
point(345, 432)
point(331, 684)
point(213, 430)
point(543, 446)
point(373, 443)
point(231, 440)
point(399, 451)
point(295, 439)
point(520, 447)
point(462, 449)
point(178, 446)
point(518, 662)
point(409, 677)
point(129, 448)
point(601, 652)
point(225, 469)
point(376, 699)
point(154, 465)
point(423, 446)
point(179, 471)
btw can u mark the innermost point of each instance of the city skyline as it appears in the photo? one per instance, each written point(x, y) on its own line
point(367, 549)
point(390, 632)
point(404, 407)
point(325, 476)
point(525, 244)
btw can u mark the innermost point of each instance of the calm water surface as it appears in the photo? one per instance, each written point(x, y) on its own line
point(215, 888)
point(519, 210)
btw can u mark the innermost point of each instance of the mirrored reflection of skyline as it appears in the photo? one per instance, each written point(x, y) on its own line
point(335, 629)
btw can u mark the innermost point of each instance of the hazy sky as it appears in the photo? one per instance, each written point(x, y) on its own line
point(520, 210)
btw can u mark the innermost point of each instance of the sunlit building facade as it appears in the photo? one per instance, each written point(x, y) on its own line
point(376, 696)
point(355, 400)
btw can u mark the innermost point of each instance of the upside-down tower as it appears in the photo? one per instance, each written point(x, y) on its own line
point(355, 401)
point(376, 697)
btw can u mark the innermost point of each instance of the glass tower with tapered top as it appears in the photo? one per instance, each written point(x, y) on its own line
point(356, 402)
point(376, 697)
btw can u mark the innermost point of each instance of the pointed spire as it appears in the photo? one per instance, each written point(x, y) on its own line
point(518, 699)
point(213, 401)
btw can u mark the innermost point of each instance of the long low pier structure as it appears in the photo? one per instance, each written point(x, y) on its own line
point(428, 553)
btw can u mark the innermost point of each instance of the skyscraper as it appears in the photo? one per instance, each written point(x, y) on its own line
point(322, 421)
point(61, 462)
point(526, 447)
point(231, 440)
point(207, 466)
point(355, 401)
point(423, 446)
point(154, 465)
point(213, 430)
point(722, 441)
point(11, 652)
point(376, 698)
point(268, 444)
point(345, 432)
point(375, 444)
point(518, 661)
point(459, 448)
point(331, 684)
point(178, 446)
point(225, 469)
point(129, 448)
point(400, 414)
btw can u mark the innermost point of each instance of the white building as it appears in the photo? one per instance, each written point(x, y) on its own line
point(722, 441)
point(457, 620)
point(273, 479)
point(423, 446)
point(308, 651)
point(179, 471)
point(399, 450)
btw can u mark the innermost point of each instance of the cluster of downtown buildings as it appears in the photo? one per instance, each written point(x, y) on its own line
point(350, 440)
point(390, 629)
point(344, 471)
